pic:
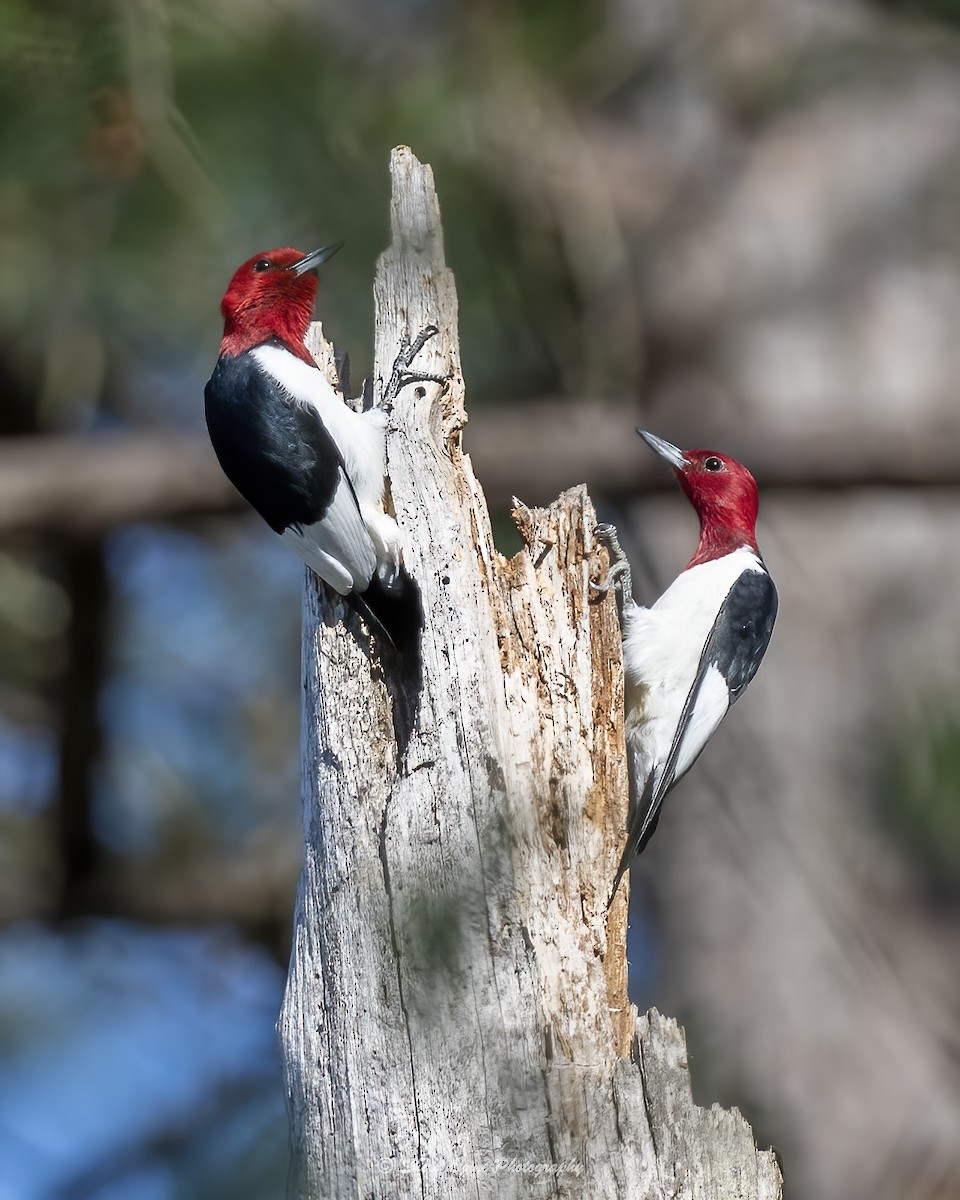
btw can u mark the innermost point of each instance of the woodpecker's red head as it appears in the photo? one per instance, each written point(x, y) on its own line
point(272, 295)
point(722, 491)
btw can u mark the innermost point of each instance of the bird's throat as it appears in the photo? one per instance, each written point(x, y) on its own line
point(259, 328)
point(719, 540)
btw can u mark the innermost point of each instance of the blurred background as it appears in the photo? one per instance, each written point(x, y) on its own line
point(737, 221)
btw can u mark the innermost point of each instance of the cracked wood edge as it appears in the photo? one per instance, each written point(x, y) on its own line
point(456, 1022)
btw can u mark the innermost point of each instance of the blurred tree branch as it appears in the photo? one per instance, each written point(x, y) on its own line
point(253, 891)
point(82, 486)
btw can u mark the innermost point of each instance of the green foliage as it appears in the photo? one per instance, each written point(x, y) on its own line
point(149, 148)
point(919, 794)
point(947, 11)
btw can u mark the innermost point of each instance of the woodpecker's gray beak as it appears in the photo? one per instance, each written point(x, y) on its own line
point(315, 258)
point(666, 450)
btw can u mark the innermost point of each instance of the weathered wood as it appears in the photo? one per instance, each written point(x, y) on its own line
point(456, 1021)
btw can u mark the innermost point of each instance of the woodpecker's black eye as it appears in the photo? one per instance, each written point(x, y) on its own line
point(262, 264)
point(712, 464)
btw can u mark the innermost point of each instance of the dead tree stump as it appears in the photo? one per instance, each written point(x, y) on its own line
point(456, 1021)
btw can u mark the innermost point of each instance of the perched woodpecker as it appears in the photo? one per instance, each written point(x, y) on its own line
point(312, 467)
point(690, 656)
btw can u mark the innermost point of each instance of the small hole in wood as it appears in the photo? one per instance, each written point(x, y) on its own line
point(420, 392)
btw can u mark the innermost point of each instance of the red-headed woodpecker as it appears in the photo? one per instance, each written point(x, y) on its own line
point(690, 656)
point(312, 467)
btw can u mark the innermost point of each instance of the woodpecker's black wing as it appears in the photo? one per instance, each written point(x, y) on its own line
point(733, 650)
point(276, 453)
point(742, 631)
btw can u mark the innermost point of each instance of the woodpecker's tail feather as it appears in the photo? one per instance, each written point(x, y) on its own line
point(645, 812)
point(632, 851)
point(394, 615)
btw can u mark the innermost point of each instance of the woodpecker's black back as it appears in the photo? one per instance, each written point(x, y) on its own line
point(276, 453)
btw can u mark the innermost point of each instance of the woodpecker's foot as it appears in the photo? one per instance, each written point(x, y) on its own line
point(618, 573)
point(402, 375)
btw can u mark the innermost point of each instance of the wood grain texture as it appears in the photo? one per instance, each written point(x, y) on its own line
point(456, 1021)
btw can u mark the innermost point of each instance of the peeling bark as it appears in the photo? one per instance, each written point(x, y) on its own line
point(456, 1020)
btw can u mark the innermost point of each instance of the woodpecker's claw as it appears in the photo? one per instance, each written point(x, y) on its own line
point(618, 573)
point(409, 350)
point(402, 375)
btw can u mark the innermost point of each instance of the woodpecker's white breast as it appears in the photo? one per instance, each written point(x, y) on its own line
point(662, 648)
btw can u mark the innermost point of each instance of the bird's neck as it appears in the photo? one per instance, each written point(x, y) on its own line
point(259, 325)
point(716, 540)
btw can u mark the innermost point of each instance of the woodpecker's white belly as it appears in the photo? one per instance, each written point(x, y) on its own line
point(662, 647)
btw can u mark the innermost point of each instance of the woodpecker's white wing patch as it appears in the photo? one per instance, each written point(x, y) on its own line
point(329, 569)
point(704, 708)
point(345, 547)
point(709, 708)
